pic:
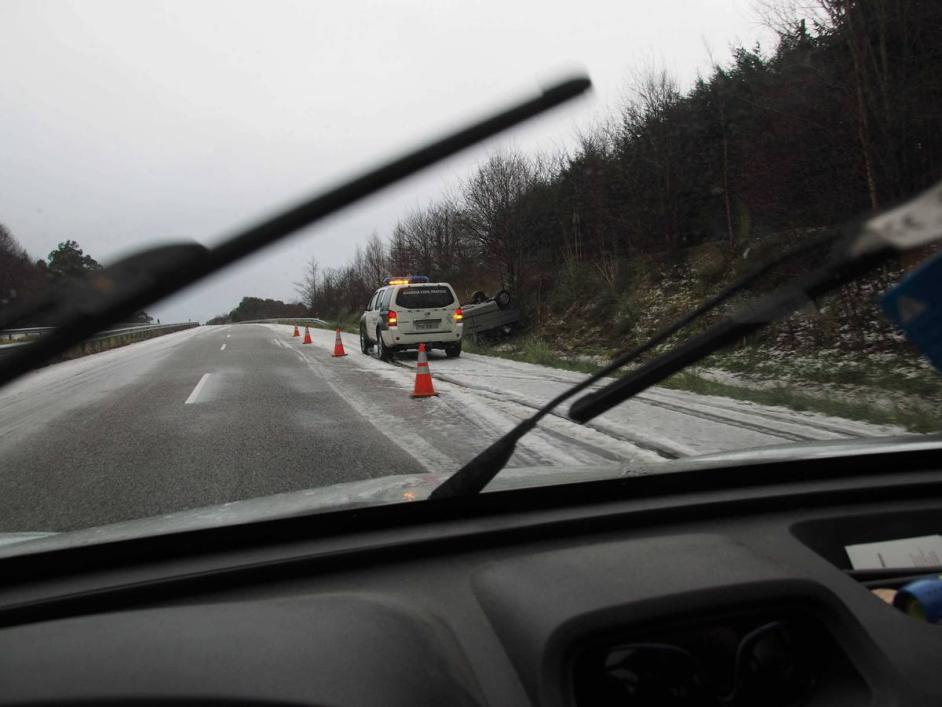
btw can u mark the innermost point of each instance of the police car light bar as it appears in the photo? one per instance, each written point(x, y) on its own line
point(406, 280)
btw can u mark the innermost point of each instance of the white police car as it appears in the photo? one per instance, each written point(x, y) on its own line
point(408, 311)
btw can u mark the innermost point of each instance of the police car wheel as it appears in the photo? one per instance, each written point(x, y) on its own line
point(365, 345)
point(382, 353)
point(453, 350)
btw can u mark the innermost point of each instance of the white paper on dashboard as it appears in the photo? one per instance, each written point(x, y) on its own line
point(924, 551)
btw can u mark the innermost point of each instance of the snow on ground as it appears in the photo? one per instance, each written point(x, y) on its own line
point(446, 431)
point(878, 398)
point(658, 424)
point(72, 372)
point(52, 391)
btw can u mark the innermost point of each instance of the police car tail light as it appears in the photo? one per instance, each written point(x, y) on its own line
point(392, 319)
point(459, 315)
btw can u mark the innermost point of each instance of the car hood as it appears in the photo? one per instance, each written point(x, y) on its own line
point(406, 488)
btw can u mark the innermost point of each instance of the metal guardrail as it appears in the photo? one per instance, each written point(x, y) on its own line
point(103, 340)
point(13, 334)
point(285, 320)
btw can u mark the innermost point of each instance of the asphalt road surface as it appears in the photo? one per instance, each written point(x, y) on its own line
point(142, 440)
point(218, 414)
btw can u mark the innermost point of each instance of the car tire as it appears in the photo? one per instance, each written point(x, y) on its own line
point(382, 353)
point(453, 350)
point(503, 299)
point(365, 344)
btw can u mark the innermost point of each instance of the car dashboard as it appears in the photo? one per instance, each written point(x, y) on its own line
point(723, 587)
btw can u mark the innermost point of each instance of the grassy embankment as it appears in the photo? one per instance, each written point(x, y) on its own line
point(841, 358)
point(856, 392)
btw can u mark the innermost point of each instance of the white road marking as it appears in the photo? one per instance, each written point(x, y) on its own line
point(222, 348)
point(228, 336)
point(196, 391)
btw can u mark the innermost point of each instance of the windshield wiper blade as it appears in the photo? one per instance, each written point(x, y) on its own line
point(104, 299)
point(865, 245)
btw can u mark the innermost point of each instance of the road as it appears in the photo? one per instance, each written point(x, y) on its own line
point(217, 414)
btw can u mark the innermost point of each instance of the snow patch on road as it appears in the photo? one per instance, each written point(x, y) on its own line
point(55, 390)
point(386, 421)
point(148, 350)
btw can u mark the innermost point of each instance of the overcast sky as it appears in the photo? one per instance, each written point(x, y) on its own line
point(125, 124)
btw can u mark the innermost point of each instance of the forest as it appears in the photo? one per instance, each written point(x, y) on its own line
point(685, 186)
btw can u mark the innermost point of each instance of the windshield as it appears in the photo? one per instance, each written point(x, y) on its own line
point(306, 377)
point(424, 297)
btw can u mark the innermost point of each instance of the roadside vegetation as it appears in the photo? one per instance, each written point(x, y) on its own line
point(911, 415)
point(771, 148)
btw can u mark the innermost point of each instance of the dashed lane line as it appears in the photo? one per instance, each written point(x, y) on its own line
point(196, 391)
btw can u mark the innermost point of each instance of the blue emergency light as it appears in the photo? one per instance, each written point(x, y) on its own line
point(915, 306)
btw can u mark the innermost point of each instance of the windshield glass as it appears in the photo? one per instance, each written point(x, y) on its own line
point(424, 297)
point(719, 135)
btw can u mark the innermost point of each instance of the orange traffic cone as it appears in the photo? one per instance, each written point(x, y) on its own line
point(423, 377)
point(296, 332)
point(307, 336)
point(338, 346)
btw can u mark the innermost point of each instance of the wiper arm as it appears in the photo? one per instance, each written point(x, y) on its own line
point(104, 298)
point(911, 225)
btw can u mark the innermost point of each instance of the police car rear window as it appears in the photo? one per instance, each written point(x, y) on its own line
point(424, 297)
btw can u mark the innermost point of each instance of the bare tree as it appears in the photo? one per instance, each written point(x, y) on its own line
point(400, 256)
point(782, 16)
point(490, 197)
point(375, 262)
point(20, 279)
point(307, 288)
point(647, 134)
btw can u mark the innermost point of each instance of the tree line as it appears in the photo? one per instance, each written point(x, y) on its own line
point(253, 308)
point(23, 280)
point(841, 118)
